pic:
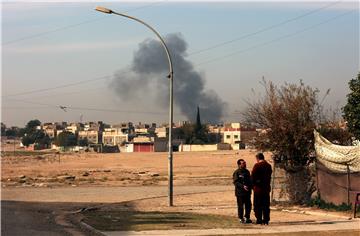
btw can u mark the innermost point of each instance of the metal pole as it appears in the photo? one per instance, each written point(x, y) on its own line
point(171, 99)
point(273, 182)
point(14, 145)
point(348, 183)
point(317, 178)
point(170, 158)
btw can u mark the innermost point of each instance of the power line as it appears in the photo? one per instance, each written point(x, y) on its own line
point(22, 108)
point(274, 40)
point(53, 31)
point(73, 25)
point(263, 29)
point(60, 86)
point(207, 61)
point(90, 108)
point(68, 93)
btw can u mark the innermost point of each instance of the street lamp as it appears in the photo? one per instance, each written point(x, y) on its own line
point(171, 101)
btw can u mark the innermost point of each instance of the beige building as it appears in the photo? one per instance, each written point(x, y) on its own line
point(49, 129)
point(143, 139)
point(91, 135)
point(232, 133)
point(161, 132)
point(73, 128)
point(114, 136)
point(51, 132)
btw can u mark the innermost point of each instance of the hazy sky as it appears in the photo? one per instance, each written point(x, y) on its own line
point(65, 54)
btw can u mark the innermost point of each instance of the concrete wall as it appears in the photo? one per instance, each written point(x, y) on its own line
point(203, 148)
point(127, 148)
point(161, 145)
point(235, 146)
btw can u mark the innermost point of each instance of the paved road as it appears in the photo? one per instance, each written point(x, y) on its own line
point(99, 194)
point(18, 218)
point(350, 228)
point(36, 211)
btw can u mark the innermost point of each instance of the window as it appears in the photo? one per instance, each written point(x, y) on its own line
point(227, 136)
point(236, 136)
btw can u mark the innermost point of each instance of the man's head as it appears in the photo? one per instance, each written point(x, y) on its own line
point(260, 157)
point(241, 163)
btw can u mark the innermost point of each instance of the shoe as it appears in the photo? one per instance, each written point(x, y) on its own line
point(242, 221)
point(259, 222)
point(265, 222)
point(248, 221)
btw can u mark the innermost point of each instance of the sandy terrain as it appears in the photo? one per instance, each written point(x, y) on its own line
point(122, 169)
point(134, 180)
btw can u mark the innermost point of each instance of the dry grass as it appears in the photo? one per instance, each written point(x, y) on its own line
point(124, 169)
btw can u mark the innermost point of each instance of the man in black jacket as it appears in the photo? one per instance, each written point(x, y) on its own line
point(242, 182)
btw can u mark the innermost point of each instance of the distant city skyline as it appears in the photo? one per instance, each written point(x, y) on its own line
point(68, 55)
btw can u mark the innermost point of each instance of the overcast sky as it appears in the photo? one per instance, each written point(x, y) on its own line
point(66, 54)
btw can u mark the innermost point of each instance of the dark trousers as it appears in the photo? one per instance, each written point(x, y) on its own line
point(241, 201)
point(262, 207)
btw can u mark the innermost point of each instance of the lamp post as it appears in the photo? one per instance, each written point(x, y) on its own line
point(171, 100)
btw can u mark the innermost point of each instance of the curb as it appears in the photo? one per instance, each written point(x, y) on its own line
point(314, 213)
point(91, 229)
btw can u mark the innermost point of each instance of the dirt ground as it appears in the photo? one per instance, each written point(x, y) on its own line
point(30, 174)
point(121, 169)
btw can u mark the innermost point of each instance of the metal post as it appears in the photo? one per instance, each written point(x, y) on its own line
point(273, 182)
point(317, 178)
point(14, 146)
point(348, 184)
point(170, 162)
point(171, 100)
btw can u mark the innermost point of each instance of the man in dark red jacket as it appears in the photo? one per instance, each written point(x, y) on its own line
point(261, 177)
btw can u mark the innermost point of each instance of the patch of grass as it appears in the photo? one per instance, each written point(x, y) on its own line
point(328, 206)
point(128, 220)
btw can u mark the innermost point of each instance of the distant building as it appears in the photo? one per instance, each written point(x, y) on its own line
point(95, 126)
point(51, 132)
point(237, 135)
point(92, 136)
point(145, 129)
point(143, 144)
point(50, 129)
point(232, 133)
point(114, 136)
point(74, 127)
point(125, 127)
point(161, 132)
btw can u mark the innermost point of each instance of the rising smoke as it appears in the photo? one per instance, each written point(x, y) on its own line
point(150, 66)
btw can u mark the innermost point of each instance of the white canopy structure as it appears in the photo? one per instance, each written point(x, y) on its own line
point(337, 157)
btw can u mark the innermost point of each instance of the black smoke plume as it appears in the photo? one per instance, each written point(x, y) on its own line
point(150, 66)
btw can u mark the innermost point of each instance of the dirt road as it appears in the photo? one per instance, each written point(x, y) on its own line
point(100, 194)
point(40, 211)
point(38, 192)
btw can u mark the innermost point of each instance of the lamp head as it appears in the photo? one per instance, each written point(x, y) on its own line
point(103, 10)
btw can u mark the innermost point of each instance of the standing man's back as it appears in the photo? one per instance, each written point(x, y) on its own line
point(261, 177)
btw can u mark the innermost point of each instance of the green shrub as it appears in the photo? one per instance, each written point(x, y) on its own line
point(318, 202)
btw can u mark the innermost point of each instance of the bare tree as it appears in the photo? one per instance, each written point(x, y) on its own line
point(288, 115)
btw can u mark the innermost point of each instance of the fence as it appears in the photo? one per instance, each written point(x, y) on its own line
point(336, 188)
point(333, 187)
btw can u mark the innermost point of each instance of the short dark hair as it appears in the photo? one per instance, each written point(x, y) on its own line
point(239, 161)
point(260, 156)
